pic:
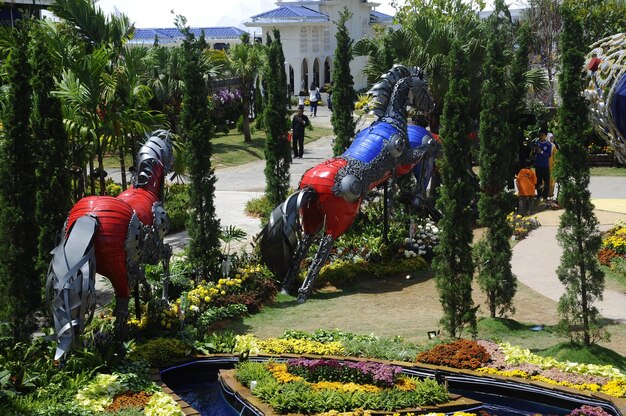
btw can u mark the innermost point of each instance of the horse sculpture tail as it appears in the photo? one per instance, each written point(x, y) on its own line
point(281, 236)
point(71, 280)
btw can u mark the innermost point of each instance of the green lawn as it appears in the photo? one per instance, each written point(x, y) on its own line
point(230, 149)
point(608, 171)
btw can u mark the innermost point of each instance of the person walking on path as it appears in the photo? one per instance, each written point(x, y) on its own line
point(298, 124)
point(543, 150)
point(314, 98)
point(526, 181)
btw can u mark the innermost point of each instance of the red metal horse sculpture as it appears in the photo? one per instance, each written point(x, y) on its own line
point(114, 237)
point(331, 193)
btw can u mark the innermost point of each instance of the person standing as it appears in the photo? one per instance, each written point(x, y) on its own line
point(555, 148)
point(298, 124)
point(314, 98)
point(543, 150)
point(526, 181)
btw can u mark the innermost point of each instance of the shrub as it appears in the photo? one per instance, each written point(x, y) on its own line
point(522, 225)
point(461, 353)
point(160, 351)
point(177, 206)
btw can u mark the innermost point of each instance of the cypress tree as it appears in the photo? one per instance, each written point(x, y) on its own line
point(203, 225)
point(20, 286)
point(344, 96)
point(52, 150)
point(453, 261)
point(493, 253)
point(517, 92)
point(578, 231)
point(275, 118)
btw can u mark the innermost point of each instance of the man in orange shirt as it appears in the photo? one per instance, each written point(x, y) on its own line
point(526, 181)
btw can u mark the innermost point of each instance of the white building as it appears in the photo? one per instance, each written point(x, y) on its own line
point(307, 32)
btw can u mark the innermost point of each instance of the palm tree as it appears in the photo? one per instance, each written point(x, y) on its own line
point(102, 88)
point(244, 60)
point(383, 50)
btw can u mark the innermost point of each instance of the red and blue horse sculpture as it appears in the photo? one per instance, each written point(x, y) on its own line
point(114, 237)
point(330, 194)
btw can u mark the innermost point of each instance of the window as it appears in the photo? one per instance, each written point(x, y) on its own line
point(316, 40)
point(304, 41)
point(326, 39)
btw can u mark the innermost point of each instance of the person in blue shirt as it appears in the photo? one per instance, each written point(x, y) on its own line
point(543, 150)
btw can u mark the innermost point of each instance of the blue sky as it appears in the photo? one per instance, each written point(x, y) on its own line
point(207, 13)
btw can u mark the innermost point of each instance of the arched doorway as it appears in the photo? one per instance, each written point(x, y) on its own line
point(291, 80)
point(327, 69)
point(304, 82)
point(316, 74)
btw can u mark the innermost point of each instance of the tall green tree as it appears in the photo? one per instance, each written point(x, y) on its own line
point(518, 89)
point(493, 253)
point(244, 60)
point(453, 261)
point(578, 232)
point(20, 285)
point(276, 122)
point(344, 95)
point(203, 225)
point(51, 150)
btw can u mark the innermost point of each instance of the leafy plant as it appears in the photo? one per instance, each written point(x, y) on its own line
point(160, 351)
point(216, 342)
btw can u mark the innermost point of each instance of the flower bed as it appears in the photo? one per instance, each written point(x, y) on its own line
point(315, 386)
point(522, 225)
point(510, 361)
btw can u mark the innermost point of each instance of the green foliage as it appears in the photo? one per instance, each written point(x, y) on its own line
point(326, 335)
point(495, 157)
point(600, 18)
point(52, 151)
point(382, 348)
point(216, 342)
point(203, 226)
point(177, 206)
point(213, 315)
point(576, 353)
point(275, 119)
point(453, 259)
point(344, 95)
point(248, 371)
point(578, 232)
point(260, 207)
point(160, 351)
point(20, 285)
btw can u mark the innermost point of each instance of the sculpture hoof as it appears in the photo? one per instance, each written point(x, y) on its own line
point(301, 298)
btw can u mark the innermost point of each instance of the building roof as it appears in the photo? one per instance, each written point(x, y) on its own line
point(173, 35)
point(290, 13)
point(378, 17)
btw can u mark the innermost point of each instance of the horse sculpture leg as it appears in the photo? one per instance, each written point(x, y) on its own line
point(71, 283)
point(294, 268)
point(321, 256)
point(166, 254)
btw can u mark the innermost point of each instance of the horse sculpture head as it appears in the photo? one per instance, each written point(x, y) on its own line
point(155, 160)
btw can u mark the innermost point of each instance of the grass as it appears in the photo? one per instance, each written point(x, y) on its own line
point(532, 336)
point(608, 171)
point(614, 280)
point(230, 149)
point(593, 354)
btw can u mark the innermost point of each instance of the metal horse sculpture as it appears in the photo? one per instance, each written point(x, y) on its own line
point(606, 91)
point(114, 237)
point(330, 194)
